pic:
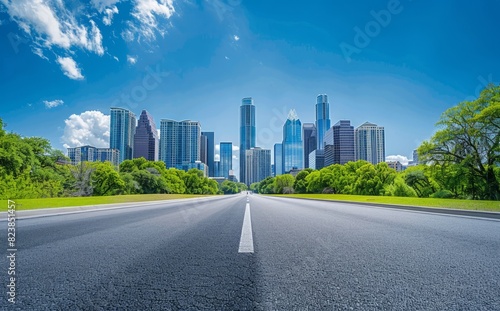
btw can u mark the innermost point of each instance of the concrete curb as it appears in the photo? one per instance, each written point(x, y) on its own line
point(437, 210)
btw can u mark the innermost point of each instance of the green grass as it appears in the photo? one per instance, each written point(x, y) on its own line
point(424, 202)
point(28, 204)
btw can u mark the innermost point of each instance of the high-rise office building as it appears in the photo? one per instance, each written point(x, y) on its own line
point(203, 148)
point(247, 132)
point(258, 165)
point(210, 151)
point(121, 132)
point(309, 138)
point(370, 143)
point(293, 152)
point(179, 142)
point(343, 146)
point(322, 119)
point(226, 159)
point(146, 141)
point(278, 159)
point(328, 147)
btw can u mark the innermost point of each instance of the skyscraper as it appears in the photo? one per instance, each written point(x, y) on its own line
point(322, 119)
point(309, 138)
point(293, 152)
point(146, 141)
point(226, 159)
point(203, 148)
point(210, 150)
point(328, 147)
point(121, 132)
point(93, 154)
point(343, 138)
point(278, 159)
point(247, 132)
point(180, 142)
point(370, 143)
point(258, 165)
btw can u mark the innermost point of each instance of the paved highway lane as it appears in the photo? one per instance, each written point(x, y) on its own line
point(307, 255)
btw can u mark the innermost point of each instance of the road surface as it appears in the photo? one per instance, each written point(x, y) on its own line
point(255, 253)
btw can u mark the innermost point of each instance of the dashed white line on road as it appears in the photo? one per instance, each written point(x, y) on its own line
point(246, 239)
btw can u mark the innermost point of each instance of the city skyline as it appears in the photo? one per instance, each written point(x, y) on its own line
point(402, 77)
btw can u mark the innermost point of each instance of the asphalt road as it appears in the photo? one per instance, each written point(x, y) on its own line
point(307, 255)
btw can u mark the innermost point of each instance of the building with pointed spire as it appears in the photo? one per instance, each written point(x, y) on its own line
point(146, 141)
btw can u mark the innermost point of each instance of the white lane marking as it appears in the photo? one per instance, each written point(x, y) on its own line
point(246, 239)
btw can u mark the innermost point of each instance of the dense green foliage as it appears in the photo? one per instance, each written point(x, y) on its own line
point(461, 160)
point(30, 168)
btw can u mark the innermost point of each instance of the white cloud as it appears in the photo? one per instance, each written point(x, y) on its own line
point(38, 51)
point(217, 147)
point(50, 23)
point(87, 128)
point(109, 12)
point(236, 148)
point(70, 68)
point(402, 159)
point(226, 57)
point(53, 103)
point(131, 59)
point(101, 5)
point(236, 38)
point(217, 157)
point(146, 13)
point(116, 58)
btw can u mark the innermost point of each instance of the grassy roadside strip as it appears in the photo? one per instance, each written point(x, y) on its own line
point(30, 204)
point(472, 205)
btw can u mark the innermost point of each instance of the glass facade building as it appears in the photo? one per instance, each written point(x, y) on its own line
point(293, 152)
point(226, 159)
point(258, 165)
point(247, 133)
point(309, 138)
point(370, 143)
point(343, 147)
point(179, 142)
point(146, 141)
point(93, 154)
point(210, 152)
point(322, 119)
point(121, 132)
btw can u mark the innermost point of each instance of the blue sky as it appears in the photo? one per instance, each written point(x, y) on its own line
point(398, 64)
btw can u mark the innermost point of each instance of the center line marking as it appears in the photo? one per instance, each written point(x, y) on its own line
point(246, 240)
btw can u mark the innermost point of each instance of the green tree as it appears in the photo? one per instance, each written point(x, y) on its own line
point(468, 135)
point(283, 184)
point(106, 180)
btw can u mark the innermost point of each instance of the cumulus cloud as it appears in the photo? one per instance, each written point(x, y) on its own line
point(101, 5)
point(146, 14)
point(53, 103)
point(393, 158)
point(236, 38)
point(108, 15)
point(87, 128)
point(131, 59)
point(70, 68)
point(236, 148)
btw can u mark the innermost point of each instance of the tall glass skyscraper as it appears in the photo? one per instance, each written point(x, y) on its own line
point(210, 150)
point(247, 132)
point(293, 152)
point(146, 141)
point(258, 165)
point(343, 138)
point(121, 132)
point(226, 159)
point(322, 119)
point(370, 143)
point(309, 138)
point(179, 142)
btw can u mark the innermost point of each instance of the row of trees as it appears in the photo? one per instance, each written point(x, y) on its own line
point(30, 168)
point(461, 160)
